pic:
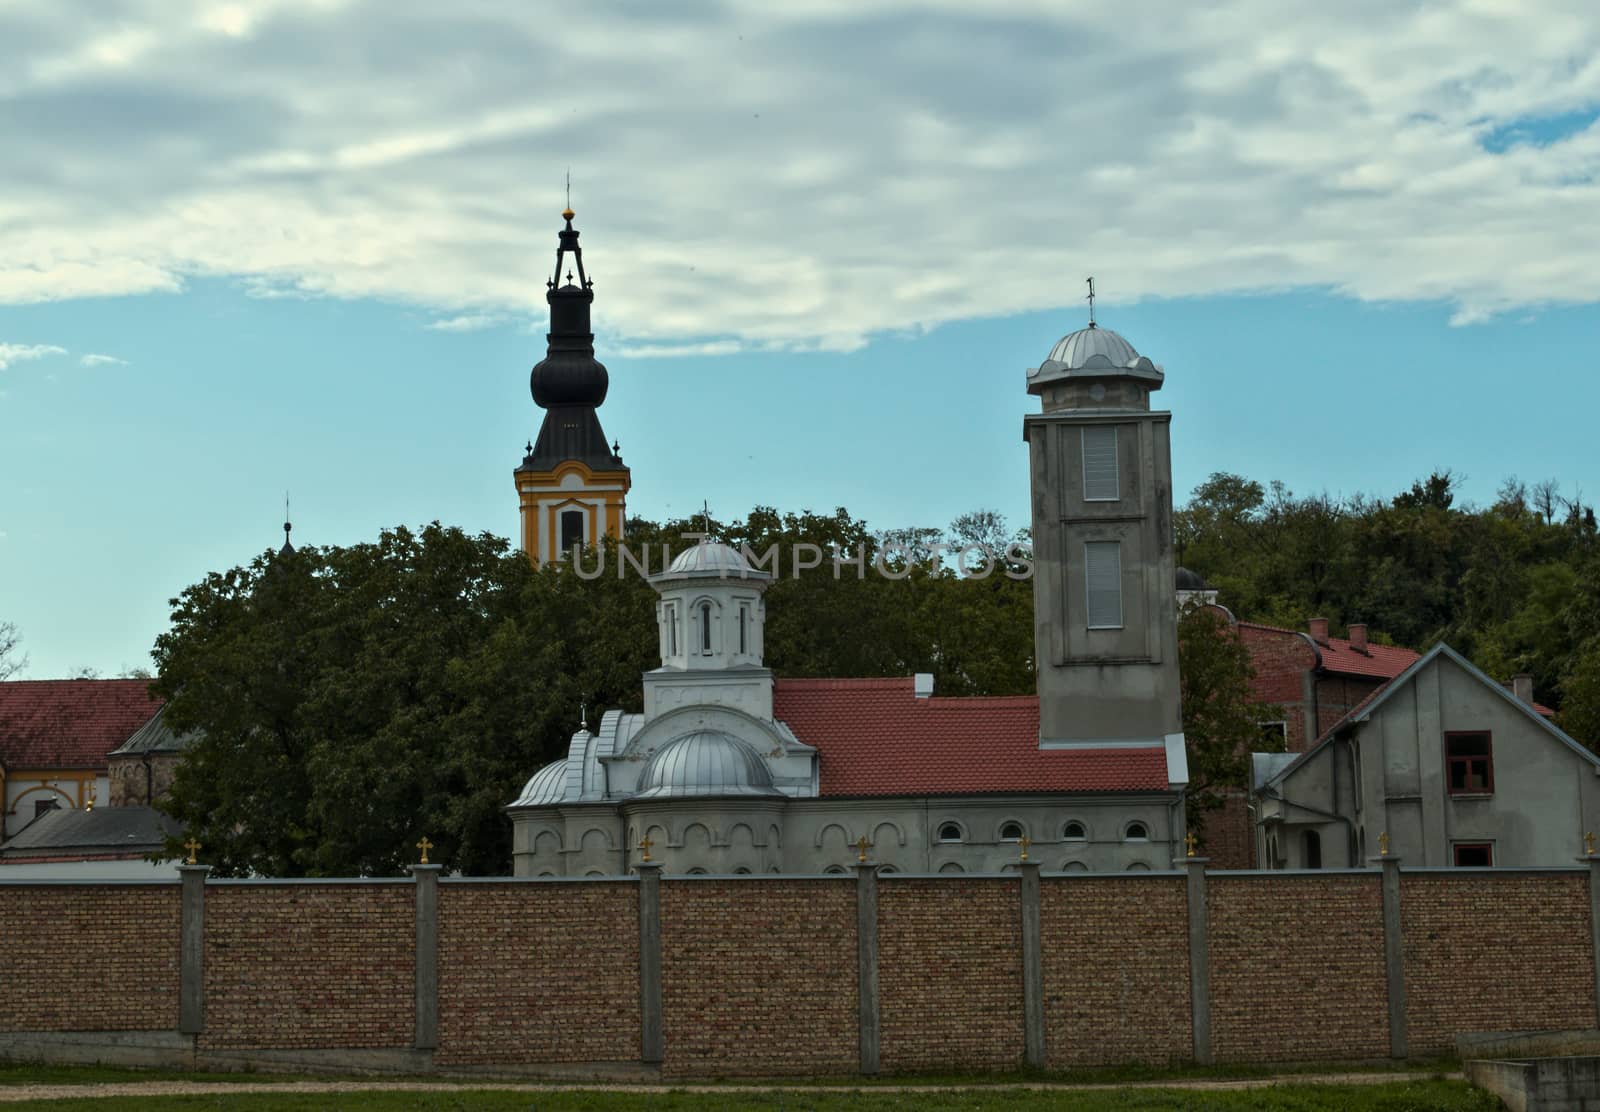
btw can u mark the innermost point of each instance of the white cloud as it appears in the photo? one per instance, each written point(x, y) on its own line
point(21, 353)
point(94, 360)
point(671, 351)
point(467, 322)
point(801, 175)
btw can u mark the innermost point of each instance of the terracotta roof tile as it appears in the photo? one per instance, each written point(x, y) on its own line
point(875, 737)
point(1339, 656)
point(69, 723)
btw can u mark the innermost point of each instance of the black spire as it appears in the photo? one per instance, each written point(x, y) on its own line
point(287, 547)
point(569, 382)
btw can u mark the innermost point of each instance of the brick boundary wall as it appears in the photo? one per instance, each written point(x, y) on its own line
point(766, 969)
point(308, 966)
point(538, 973)
point(1297, 967)
point(88, 957)
point(730, 976)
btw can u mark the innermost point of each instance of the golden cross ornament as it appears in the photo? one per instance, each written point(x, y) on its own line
point(645, 846)
point(1024, 843)
point(193, 847)
point(861, 849)
point(1383, 844)
point(424, 846)
point(1189, 844)
point(1588, 843)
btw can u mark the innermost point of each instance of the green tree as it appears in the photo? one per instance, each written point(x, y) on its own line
point(1221, 718)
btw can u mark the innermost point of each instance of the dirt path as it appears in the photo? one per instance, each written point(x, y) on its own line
point(12, 1094)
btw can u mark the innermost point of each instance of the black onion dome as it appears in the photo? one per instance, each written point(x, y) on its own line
point(1190, 581)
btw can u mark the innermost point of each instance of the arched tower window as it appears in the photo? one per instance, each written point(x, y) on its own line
point(744, 625)
point(705, 628)
point(571, 530)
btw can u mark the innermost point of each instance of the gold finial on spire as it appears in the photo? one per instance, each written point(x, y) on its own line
point(645, 845)
point(88, 804)
point(193, 847)
point(861, 849)
point(567, 212)
point(1190, 842)
point(424, 846)
point(1383, 843)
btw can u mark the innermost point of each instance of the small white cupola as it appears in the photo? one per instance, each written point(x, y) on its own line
point(710, 614)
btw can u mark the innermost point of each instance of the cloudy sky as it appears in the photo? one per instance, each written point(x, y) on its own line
point(301, 244)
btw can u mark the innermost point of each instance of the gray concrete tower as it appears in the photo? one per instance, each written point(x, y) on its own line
point(1105, 621)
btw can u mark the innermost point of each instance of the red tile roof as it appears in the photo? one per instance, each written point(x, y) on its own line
point(1383, 662)
point(875, 737)
point(69, 723)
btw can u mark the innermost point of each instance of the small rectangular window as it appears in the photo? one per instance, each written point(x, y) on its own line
point(672, 631)
point(1100, 464)
point(571, 531)
point(1102, 573)
point(1469, 763)
point(744, 621)
point(1474, 854)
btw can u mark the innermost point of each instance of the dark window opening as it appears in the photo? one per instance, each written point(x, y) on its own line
point(44, 806)
point(705, 627)
point(1470, 763)
point(1138, 832)
point(1311, 845)
point(1474, 854)
point(950, 832)
point(1275, 736)
point(1011, 832)
point(571, 530)
point(1074, 832)
point(744, 620)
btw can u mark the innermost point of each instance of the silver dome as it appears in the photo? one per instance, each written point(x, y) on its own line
point(710, 556)
point(1079, 348)
point(547, 786)
point(705, 763)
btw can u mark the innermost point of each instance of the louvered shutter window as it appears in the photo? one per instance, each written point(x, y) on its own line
point(1100, 463)
point(1102, 563)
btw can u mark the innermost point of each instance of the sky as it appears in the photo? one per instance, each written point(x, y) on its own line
point(301, 245)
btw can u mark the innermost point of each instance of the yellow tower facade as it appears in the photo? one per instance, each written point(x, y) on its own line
point(571, 486)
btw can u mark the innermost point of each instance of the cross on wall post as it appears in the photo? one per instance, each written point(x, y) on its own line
point(861, 849)
point(1024, 843)
point(424, 846)
point(645, 845)
point(193, 847)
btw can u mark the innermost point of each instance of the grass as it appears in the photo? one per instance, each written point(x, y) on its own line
point(39, 1074)
point(1407, 1096)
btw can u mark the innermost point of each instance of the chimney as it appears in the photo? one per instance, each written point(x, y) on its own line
point(922, 685)
point(1358, 636)
point(1522, 687)
point(1319, 630)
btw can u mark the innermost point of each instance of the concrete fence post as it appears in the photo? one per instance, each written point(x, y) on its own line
point(1032, 970)
point(192, 949)
point(1394, 957)
point(1199, 957)
point(1594, 923)
point(867, 964)
point(652, 1039)
point(427, 957)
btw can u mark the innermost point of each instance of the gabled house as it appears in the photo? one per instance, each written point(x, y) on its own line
point(1450, 765)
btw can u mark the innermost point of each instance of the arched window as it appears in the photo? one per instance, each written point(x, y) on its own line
point(1137, 832)
point(744, 623)
point(949, 832)
point(571, 531)
point(672, 630)
point(1074, 831)
point(1311, 845)
point(1011, 832)
point(887, 869)
point(705, 628)
point(697, 871)
point(1138, 867)
point(741, 871)
point(832, 869)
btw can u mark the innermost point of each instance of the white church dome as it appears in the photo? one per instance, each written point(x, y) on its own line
point(547, 786)
point(1087, 345)
point(710, 556)
point(705, 763)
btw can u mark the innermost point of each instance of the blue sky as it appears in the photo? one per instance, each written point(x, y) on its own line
point(239, 255)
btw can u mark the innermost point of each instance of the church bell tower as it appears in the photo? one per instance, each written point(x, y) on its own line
point(1105, 620)
point(571, 485)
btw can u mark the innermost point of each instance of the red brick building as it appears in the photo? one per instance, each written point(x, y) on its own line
point(1314, 680)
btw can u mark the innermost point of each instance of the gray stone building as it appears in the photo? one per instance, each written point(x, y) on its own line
point(1454, 768)
point(731, 770)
